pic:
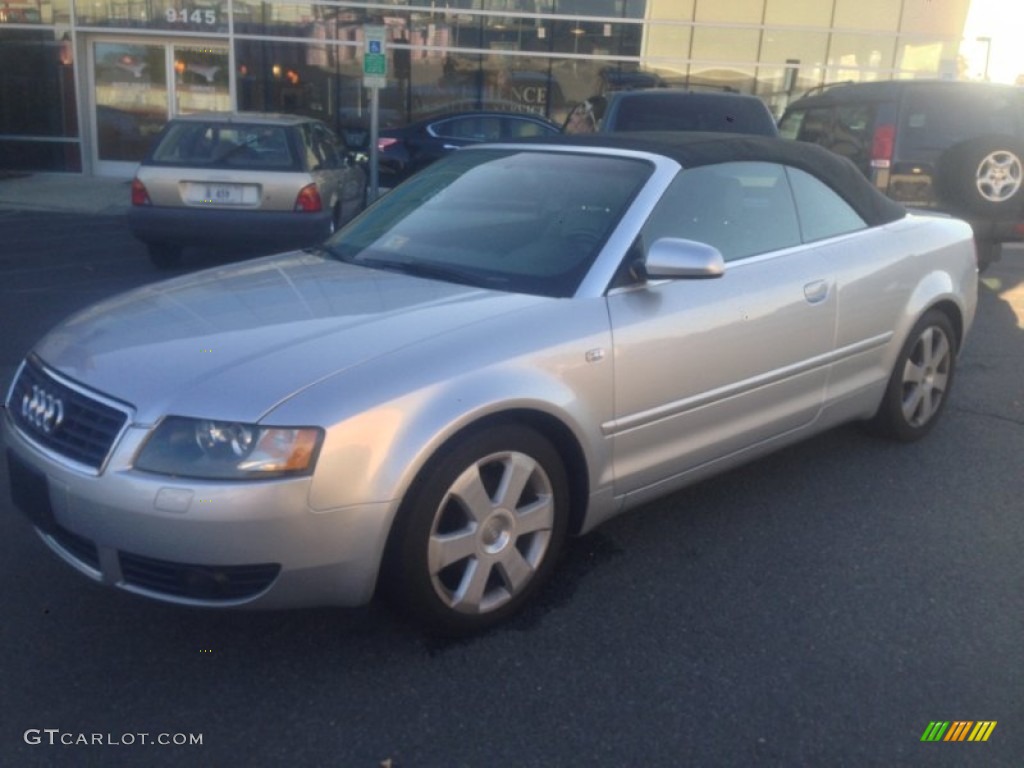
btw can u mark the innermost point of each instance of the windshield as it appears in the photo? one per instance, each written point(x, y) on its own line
point(521, 220)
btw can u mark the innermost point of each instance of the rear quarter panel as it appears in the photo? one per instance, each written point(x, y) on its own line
point(886, 279)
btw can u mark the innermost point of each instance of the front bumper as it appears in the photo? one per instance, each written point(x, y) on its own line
point(223, 544)
point(210, 226)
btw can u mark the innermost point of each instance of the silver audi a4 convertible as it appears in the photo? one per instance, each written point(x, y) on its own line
point(513, 346)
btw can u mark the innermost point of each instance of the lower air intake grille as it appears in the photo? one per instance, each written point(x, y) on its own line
point(199, 582)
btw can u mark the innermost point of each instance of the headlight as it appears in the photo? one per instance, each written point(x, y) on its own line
point(225, 450)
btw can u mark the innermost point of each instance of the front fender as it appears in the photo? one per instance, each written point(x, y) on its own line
point(376, 454)
point(385, 419)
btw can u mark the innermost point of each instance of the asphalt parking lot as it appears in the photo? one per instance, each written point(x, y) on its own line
point(820, 607)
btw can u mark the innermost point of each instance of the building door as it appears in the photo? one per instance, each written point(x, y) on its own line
point(136, 85)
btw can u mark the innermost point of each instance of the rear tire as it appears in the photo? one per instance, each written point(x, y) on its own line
point(988, 252)
point(164, 256)
point(920, 382)
point(479, 531)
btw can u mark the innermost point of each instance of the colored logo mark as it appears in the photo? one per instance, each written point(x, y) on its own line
point(958, 730)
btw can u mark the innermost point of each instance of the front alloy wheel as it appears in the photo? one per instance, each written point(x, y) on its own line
point(481, 530)
point(920, 382)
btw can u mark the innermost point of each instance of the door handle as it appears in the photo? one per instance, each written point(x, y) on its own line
point(816, 291)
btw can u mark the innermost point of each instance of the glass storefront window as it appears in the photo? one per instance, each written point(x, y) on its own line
point(668, 45)
point(734, 11)
point(787, 12)
point(131, 98)
point(37, 83)
point(880, 15)
point(26, 13)
point(781, 46)
point(927, 58)
point(860, 57)
point(38, 107)
point(724, 57)
point(542, 56)
point(201, 82)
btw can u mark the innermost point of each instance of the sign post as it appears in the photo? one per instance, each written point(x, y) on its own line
point(375, 77)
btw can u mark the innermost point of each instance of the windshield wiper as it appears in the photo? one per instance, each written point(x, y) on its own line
point(250, 142)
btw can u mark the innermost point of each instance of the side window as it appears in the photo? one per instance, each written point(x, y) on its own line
point(518, 128)
point(789, 126)
point(324, 148)
point(742, 209)
point(816, 127)
point(310, 148)
point(822, 212)
point(472, 128)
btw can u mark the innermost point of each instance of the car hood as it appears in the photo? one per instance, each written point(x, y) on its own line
point(231, 343)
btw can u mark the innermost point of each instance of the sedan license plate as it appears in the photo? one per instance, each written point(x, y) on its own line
point(31, 493)
point(206, 193)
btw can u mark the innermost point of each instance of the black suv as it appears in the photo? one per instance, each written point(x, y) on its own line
point(668, 109)
point(956, 147)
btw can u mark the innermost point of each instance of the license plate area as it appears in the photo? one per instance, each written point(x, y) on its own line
point(30, 492)
point(221, 194)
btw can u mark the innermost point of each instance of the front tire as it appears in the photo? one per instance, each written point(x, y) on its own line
point(479, 531)
point(919, 386)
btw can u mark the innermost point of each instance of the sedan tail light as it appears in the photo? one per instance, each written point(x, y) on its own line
point(882, 145)
point(385, 143)
point(308, 200)
point(140, 196)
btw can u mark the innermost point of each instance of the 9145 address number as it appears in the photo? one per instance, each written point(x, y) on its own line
point(191, 16)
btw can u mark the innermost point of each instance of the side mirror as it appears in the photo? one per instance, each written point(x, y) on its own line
point(672, 258)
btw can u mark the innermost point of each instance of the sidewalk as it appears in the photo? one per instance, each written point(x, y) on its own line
point(65, 193)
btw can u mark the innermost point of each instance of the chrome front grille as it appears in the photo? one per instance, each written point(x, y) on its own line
point(63, 417)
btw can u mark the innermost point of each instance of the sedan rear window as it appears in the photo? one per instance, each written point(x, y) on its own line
point(225, 145)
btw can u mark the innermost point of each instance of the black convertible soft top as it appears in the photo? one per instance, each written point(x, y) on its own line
point(695, 149)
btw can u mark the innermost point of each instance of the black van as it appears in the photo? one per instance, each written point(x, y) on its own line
point(951, 146)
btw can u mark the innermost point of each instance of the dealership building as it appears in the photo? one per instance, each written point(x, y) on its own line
point(85, 84)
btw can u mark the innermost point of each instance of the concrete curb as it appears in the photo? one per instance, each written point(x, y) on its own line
point(65, 193)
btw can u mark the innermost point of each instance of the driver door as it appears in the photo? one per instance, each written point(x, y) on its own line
point(705, 368)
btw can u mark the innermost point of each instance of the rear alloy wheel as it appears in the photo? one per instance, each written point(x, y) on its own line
point(480, 531)
point(163, 256)
point(920, 381)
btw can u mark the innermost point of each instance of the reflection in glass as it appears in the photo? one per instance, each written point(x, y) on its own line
point(201, 79)
point(732, 48)
point(859, 57)
point(131, 98)
point(37, 101)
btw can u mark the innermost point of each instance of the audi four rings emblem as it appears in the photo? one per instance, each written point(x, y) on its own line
point(42, 410)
